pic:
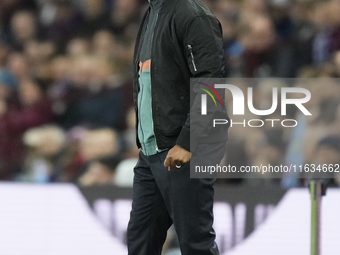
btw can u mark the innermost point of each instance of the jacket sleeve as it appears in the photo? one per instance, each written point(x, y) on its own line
point(203, 46)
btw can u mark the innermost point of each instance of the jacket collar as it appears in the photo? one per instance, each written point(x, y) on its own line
point(164, 4)
point(156, 4)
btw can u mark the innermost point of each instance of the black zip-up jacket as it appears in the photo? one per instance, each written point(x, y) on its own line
point(187, 43)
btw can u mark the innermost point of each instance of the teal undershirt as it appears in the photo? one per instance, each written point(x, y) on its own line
point(146, 133)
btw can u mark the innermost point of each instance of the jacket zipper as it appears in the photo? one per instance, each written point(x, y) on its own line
point(141, 127)
point(192, 57)
point(153, 126)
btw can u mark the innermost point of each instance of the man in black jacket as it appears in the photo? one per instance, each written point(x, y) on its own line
point(177, 40)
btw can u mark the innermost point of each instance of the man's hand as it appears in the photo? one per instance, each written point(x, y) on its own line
point(177, 156)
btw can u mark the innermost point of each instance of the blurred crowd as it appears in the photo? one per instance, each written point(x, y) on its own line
point(66, 112)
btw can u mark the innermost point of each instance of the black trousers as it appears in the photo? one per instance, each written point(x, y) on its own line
point(162, 198)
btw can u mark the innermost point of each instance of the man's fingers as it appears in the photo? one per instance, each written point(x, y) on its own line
point(170, 163)
point(167, 161)
point(176, 157)
point(173, 164)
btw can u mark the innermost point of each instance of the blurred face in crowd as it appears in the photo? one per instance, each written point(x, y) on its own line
point(52, 140)
point(334, 12)
point(47, 141)
point(82, 73)
point(227, 6)
point(128, 8)
point(33, 51)
point(97, 174)
point(300, 11)
point(65, 11)
point(29, 93)
point(263, 33)
point(23, 26)
point(124, 52)
point(320, 15)
point(123, 11)
point(78, 47)
point(60, 68)
point(260, 34)
point(103, 43)
point(18, 65)
point(98, 143)
point(254, 7)
point(93, 8)
point(104, 70)
point(37, 52)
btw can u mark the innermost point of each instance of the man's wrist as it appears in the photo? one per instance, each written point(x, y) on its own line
point(183, 139)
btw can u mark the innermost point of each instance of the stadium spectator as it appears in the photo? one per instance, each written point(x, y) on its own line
point(24, 29)
point(31, 110)
point(99, 143)
point(46, 157)
point(67, 22)
point(100, 171)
